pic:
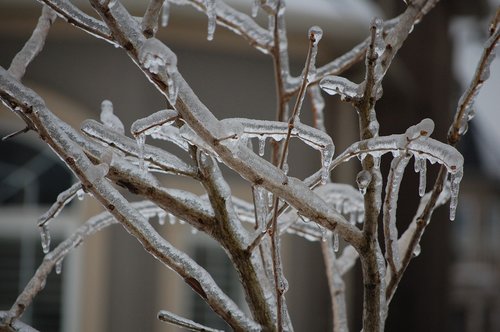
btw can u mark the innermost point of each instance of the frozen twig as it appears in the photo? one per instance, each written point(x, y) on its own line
point(465, 109)
point(34, 45)
point(336, 286)
point(16, 326)
point(182, 322)
point(16, 95)
point(14, 134)
point(62, 199)
point(70, 13)
point(149, 23)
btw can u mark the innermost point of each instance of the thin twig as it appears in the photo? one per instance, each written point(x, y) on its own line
point(149, 22)
point(14, 134)
point(182, 322)
point(34, 45)
point(62, 200)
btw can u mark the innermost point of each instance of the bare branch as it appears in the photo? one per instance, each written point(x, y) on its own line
point(34, 45)
point(179, 321)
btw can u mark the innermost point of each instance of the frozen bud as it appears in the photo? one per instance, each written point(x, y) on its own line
point(315, 34)
point(154, 55)
point(363, 179)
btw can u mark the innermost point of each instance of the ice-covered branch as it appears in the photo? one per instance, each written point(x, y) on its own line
point(336, 286)
point(234, 20)
point(34, 45)
point(465, 109)
point(149, 23)
point(48, 127)
point(163, 160)
point(16, 326)
point(182, 322)
point(62, 200)
point(394, 179)
point(71, 14)
point(239, 157)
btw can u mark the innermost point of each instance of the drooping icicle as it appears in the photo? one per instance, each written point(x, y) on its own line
point(262, 145)
point(336, 242)
point(285, 168)
point(363, 179)
point(455, 179)
point(165, 13)
point(421, 168)
point(417, 250)
point(212, 16)
point(59, 266)
point(45, 238)
point(326, 159)
point(162, 216)
point(141, 142)
point(255, 8)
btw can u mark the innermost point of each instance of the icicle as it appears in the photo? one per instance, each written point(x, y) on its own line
point(417, 250)
point(376, 161)
point(326, 160)
point(255, 8)
point(194, 230)
point(45, 237)
point(324, 233)
point(262, 145)
point(162, 216)
point(212, 16)
point(421, 167)
point(165, 12)
point(141, 141)
point(454, 187)
point(336, 242)
point(59, 266)
point(352, 217)
point(171, 219)
point(363, 179)
point(80, 194)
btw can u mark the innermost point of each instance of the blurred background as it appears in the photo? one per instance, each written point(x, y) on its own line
point(110, 284)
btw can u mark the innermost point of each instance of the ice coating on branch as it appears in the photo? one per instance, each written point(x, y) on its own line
point(255, 7)
point(212, 17)
point(363, 179)
point(171, 134)
point(109, 119)
point(421, 168)
point(45, 238)
point(153, 122)
point(455, 179)
point(337, 85)
point(165, 13)
point(262, 145)
point(80, 194)
point(318, 106)
point(424, 128)
point(156, 57)
point(378, 48)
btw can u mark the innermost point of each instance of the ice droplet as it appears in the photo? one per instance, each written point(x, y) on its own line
point(336, 242)
point(109, 119)
point(80, 194)
point(141, 141)
point(262, 145)
point(45, 238)
point(283, 285)
point(326, 159)
point(165, 12)
point(454, 188)
point(59, 266)
point(417, 250)
point(212, 16)
point(255, 8)
point(363, 179)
